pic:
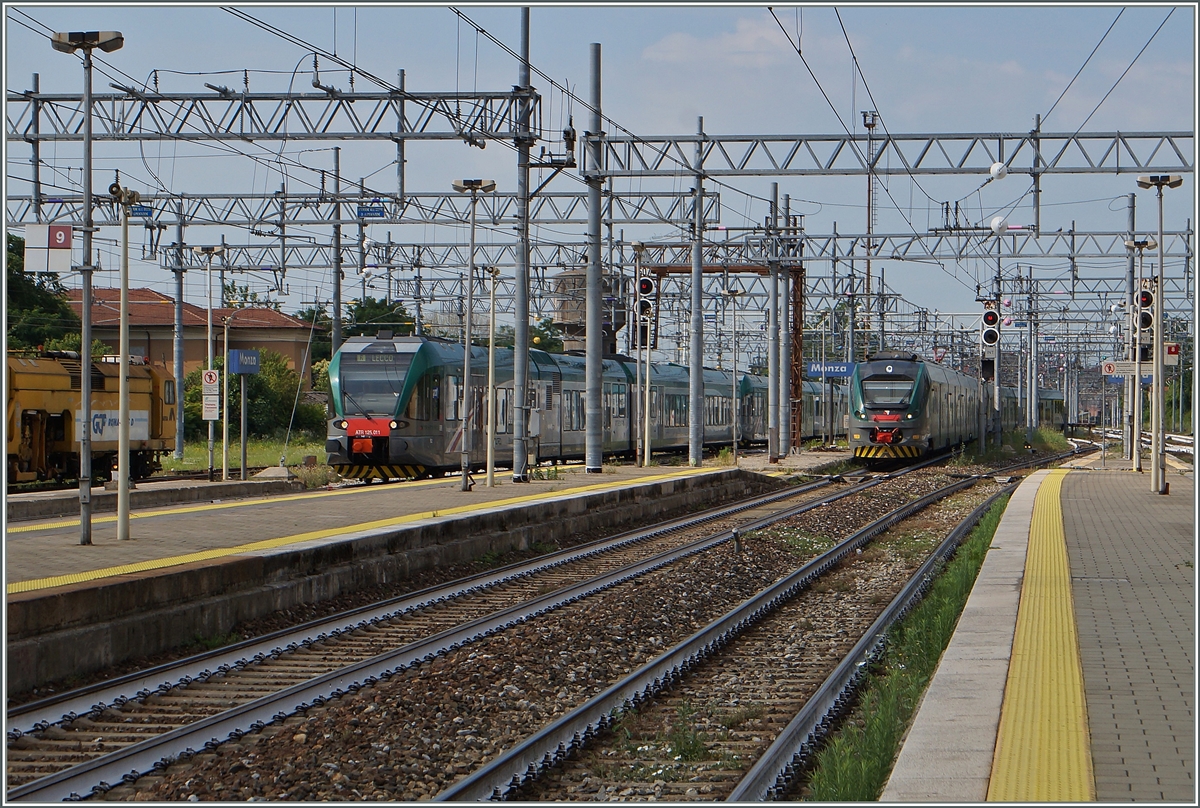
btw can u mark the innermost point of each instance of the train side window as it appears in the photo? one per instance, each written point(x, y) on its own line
point(453, 398)
point(169, 391)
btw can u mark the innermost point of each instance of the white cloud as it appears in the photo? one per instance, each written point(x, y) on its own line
point(754, 43)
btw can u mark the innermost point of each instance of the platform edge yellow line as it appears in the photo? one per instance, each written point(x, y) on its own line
point(1043, 744)
point(32, 585)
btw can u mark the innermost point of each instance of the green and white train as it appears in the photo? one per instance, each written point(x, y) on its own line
point(399, 407)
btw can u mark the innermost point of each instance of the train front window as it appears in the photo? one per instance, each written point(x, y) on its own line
point(371, 382)
point(887, 393)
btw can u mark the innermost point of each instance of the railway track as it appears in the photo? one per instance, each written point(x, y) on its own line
point(689, 725)
point(84, 743)
point(46, 737)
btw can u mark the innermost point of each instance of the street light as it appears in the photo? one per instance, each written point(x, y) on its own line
point(1158, 468)
point(86, 41)
point(208, 253)
point(491, 402)
point(123, 197)
point(474, 187)
point(731, 295)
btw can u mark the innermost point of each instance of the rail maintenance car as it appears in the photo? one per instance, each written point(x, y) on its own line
point(43, 416)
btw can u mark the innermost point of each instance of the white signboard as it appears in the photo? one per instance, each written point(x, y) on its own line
point(106, 425)
point(48, 248)
point(212, 408)
point(211, 381)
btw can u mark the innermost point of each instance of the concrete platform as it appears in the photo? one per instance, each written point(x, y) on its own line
point(199, 569)
point(1132, 566)
point(147, 494)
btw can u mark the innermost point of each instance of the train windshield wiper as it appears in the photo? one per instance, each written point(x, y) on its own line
point(361, 409)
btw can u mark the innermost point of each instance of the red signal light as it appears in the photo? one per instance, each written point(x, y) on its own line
point(645, 286)
point(991, 317)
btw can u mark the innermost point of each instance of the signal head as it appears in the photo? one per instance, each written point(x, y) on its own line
point(645, 286)
point(991, 317)
point(1145, 298)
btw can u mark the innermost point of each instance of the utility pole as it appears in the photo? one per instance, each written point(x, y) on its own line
point(773, 327)
point(594, 334)
point(337, 249)
point(178, 335)
point(521, 305)
point(696, 353)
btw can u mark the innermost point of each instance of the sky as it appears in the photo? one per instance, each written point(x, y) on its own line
point(930, 69)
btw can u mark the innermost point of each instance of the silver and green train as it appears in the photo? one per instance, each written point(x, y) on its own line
point(902, 407)
point(399, 409)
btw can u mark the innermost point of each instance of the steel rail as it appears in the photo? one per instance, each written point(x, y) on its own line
point(554, 742)
point(93, 699)
point(774, 771)
point(126, 765)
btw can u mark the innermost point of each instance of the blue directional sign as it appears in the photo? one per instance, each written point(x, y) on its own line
point(371, 212)
point(834, 369)
point(144, 211)
point(1118, 379)
point(243, 362)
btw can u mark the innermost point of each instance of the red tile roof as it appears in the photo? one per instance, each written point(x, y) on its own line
point(148, 307)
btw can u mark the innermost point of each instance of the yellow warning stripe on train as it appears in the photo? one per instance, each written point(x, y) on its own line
point(270, 544)
point(1043, 747)
point(885, 451)
point(381, 472)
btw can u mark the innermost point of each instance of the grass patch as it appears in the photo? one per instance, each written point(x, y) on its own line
point(259, 453)
point(685, 742)
point(856, 761)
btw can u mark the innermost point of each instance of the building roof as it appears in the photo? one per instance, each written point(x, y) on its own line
point(148, 307)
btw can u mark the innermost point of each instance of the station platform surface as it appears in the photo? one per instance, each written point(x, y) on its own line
point(41, 554)
point(1070, 675)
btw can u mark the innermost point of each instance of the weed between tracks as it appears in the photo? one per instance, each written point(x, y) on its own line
point(856, 761)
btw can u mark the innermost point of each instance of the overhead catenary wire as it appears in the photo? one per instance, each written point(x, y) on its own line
point(854, 143)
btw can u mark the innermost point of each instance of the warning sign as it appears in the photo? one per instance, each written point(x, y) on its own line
point(211, 381)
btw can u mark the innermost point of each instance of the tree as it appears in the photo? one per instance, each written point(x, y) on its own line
point(322, 338)
point(38, 311)
point(367, 316)
point(544, 336)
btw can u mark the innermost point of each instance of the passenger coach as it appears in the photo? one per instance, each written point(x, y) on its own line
point(399, 407)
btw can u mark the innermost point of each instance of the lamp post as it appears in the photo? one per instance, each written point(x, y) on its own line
point(474, 187)
point(491, 402)
point(1158, 469)
point(86, 41)
point(208, 253)
point(123, 197)
point(731, 295)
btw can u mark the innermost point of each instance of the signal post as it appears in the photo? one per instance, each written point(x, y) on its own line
point(989, 363)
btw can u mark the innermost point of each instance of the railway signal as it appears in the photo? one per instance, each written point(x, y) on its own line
point(1146, 305)
point(989, 333)
point(1145, 317)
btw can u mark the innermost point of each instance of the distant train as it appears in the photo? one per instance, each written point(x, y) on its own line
point(44, 417)
point(399, 408)
point(902, 407)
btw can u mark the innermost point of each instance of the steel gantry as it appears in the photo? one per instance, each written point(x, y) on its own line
point(135, 115)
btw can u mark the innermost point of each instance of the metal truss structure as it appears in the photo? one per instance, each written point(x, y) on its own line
point(228, 115)
point(261, 211)
point(923, 154)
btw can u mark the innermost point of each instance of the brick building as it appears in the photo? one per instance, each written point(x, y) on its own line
point(152, 328)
